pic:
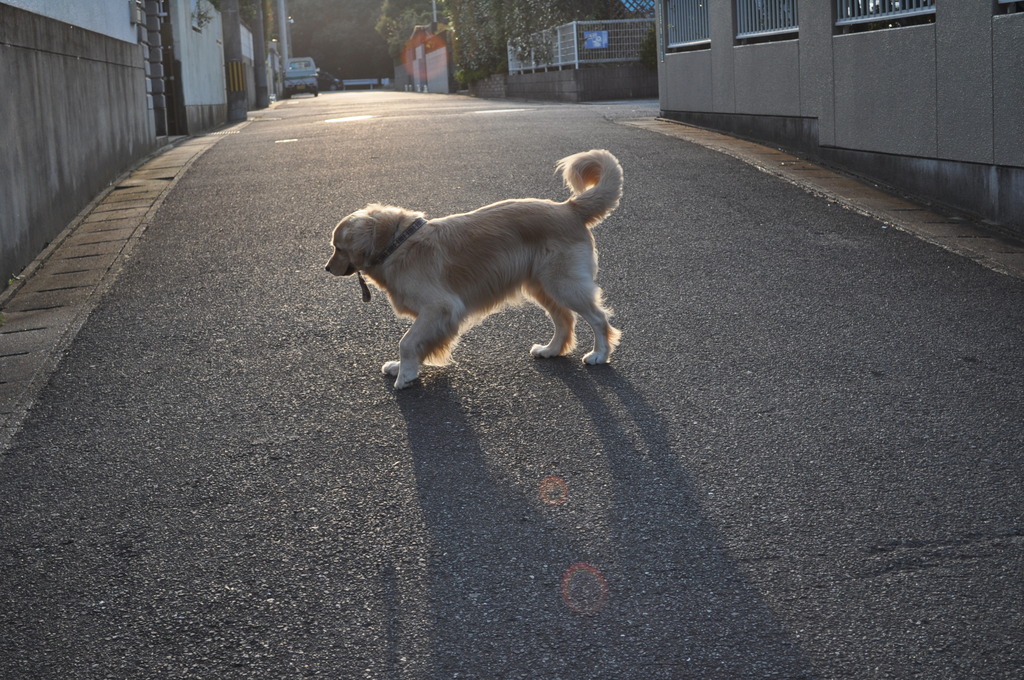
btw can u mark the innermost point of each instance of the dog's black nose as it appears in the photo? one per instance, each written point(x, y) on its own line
point(327, 268)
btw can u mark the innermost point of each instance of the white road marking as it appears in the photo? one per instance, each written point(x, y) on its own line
point(347, 119)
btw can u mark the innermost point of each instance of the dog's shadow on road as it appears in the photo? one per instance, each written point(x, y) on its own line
point(676, 602)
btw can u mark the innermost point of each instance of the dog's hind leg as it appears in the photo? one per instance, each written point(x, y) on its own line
point(606, 337)
point(430, 338)
point(584, 298)
point(571, 285)
point(564, 339)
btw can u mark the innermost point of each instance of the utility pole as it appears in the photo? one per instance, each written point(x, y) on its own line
point(282, 21)
point(238, 106)
point(259, 58)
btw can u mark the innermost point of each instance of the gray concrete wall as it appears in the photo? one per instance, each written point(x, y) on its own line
point(963, 81)
point(723, 70)
point(552, 85)
point(72, 118)
point(108, 17)
point(492, 87)
point(885, 91)
point(624, 81)
point(684, 81)
point(763, 81)
point(945, 96)
point(627, 81)
point(816, 67)
point(1008, 90)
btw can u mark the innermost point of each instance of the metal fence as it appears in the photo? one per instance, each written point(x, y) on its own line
point(863, 11)
point(758, 18)
point(686, 23)
point(579, 43)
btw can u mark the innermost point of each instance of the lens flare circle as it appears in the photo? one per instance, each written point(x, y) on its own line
point(584, 588)
point(553, 490)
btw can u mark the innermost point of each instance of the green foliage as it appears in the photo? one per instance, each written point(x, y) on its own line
point(202, 15)
point(341, 37)
point(466, 77)
point(363, 38)
point(270, 23)
point(247, 9)
point(484, 28)
point(480, 36)
point(649, 50)
point(397, 20)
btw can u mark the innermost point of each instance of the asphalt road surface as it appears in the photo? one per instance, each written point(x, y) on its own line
point(804, 460)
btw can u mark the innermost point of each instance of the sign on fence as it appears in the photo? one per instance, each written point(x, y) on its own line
point(579, 42)
point(595, 40)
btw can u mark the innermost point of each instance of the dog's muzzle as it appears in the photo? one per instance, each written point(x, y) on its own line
point(349, 271)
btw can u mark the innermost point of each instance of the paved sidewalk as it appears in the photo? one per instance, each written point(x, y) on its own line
point(51, 299)
point(952, 233)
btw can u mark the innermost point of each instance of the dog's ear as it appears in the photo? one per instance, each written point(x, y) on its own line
point(364, 237)
point(382, 223)
point(369, 231)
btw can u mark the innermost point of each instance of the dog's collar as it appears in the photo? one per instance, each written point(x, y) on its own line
point(399, 240)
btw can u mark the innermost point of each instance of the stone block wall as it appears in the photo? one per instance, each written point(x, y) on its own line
point(73, 117)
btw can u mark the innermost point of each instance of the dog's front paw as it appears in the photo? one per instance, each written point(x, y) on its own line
point(594, 358)
point(402, 382)
point(543, 351)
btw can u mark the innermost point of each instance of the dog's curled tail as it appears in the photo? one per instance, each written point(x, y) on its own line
point(595, 179)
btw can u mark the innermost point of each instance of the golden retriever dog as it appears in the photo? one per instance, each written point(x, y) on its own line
point(450, 272)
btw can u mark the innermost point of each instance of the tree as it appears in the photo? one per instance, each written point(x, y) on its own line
point(397, 20)
point(340, 36)
point(247, 9)
point(484, 28)
point(480, 37)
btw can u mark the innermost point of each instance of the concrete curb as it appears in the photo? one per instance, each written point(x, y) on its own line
point(55, 294)
point(955, 234)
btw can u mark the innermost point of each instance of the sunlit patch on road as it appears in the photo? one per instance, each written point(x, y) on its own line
point(284, 141)
point(347, 119)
